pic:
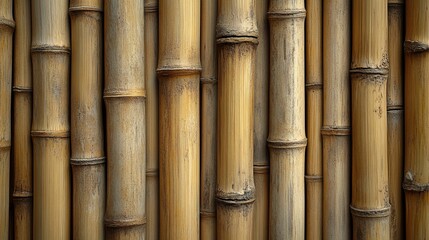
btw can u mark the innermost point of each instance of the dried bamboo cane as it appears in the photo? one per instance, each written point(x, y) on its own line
point(179, 126)
point(87, 140)
point(22, 89)
point(7, 26)
point(370, 206)
point(336, 119)
point(395, 117)
point(208, 119)
point(314, 101)
point(152, 169)
point(287, 140)
point(235, 190)
point(416, 168)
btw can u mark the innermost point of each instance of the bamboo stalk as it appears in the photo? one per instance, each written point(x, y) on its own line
point(336, 119)
point(87, 140)
point(7, 26)
point(314, 101)
point(416, 173)
point(370, 206)
point(287, 140)
point(179, 127)
point(237, 39)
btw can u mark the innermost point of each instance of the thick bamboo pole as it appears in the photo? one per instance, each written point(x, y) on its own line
point(87, 138)
point(370, 206)
point(336, 119)
point(179, 125)
point(314, 102)
point(287, 140)
point(124, 96)
point(416, 168)
point(50, 126)
point(235, 192)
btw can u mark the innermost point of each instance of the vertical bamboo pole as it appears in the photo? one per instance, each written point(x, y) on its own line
point(179, 126)
point(7, 26)
point(208, 119)
point(235, 192)
point(124, 96)
point(370, 206)
point(87, 140)
point(395, 117)
point(314, 101)
point(151, 58)
point(287, 140)
point(416, 169)
point(336, 119)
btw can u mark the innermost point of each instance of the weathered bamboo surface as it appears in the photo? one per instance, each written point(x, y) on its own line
point(416, 168)
point(124, 95)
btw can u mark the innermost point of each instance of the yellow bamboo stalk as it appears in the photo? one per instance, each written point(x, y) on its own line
point(87, 140)
point(314, 102)
point(336, 119)
point(7, 26)
point(370, 206)
point(124, 96)
point(50, 126)
point(416, 168)
point(179, 125)
point(287, 140)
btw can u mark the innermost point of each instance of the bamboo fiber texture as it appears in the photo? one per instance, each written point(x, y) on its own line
point(287, 139)
point(124, 96)
point(416, 173)
point(179, 118)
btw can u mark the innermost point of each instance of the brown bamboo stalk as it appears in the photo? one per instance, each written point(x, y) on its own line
point(287, 140)
point(235, 192)
point(124, 96)
point(314, 110)
point(179, 125)
point(336, 119)
point(87, 138)
point(370, 206)
point(152, 166)
point(416, 168)
point(50, 126)
point(7, 26)
point(208, 119)
point(395, 117)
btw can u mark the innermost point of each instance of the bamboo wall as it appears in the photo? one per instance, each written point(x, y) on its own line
point(214, 119)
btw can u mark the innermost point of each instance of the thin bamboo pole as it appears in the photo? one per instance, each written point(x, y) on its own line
point(7, 26)
point(22, 94)
point(370, 206)
point(208, 119)
point(314, 102)
point(87, 140)
point(395, 117)
point(287, 140)
point(179, 125)
point(235, 192)
point(336, 119)
point(416, 168)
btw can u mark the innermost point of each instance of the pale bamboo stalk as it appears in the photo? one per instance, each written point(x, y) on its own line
point(336, 119)
point(50, 125)
point(7, 26)
point(208, 119)
point(370, 206)
point(152, 166)
point(287, 139)
point(395, 117)
point(416, 168)
point(87, 138)
point(314, 111)
point(179, 124)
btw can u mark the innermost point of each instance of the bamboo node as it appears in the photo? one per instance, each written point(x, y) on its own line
point(313, 178)
point(50, 134)
point(261, 169)
point(370, 71)
point(152, 172)
point(19, 89)
point(410, 184)
point(411, 46)
point(335, 130)
point(22, 194)
point(148, 8)
point(314, 86)
point(395, 108)
point(396, 3)
point(118, 223)
point(208, 80)
point(370, 213)
point(178, 70)
point(287, 144)
point(280, 14)
point(234, 202)
point(87, 161)
point(5, 145)
point(7, 23)
point(237, 40)
point(207, 214)
point(124, 93)
point(85, 8)
point(50, 49)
